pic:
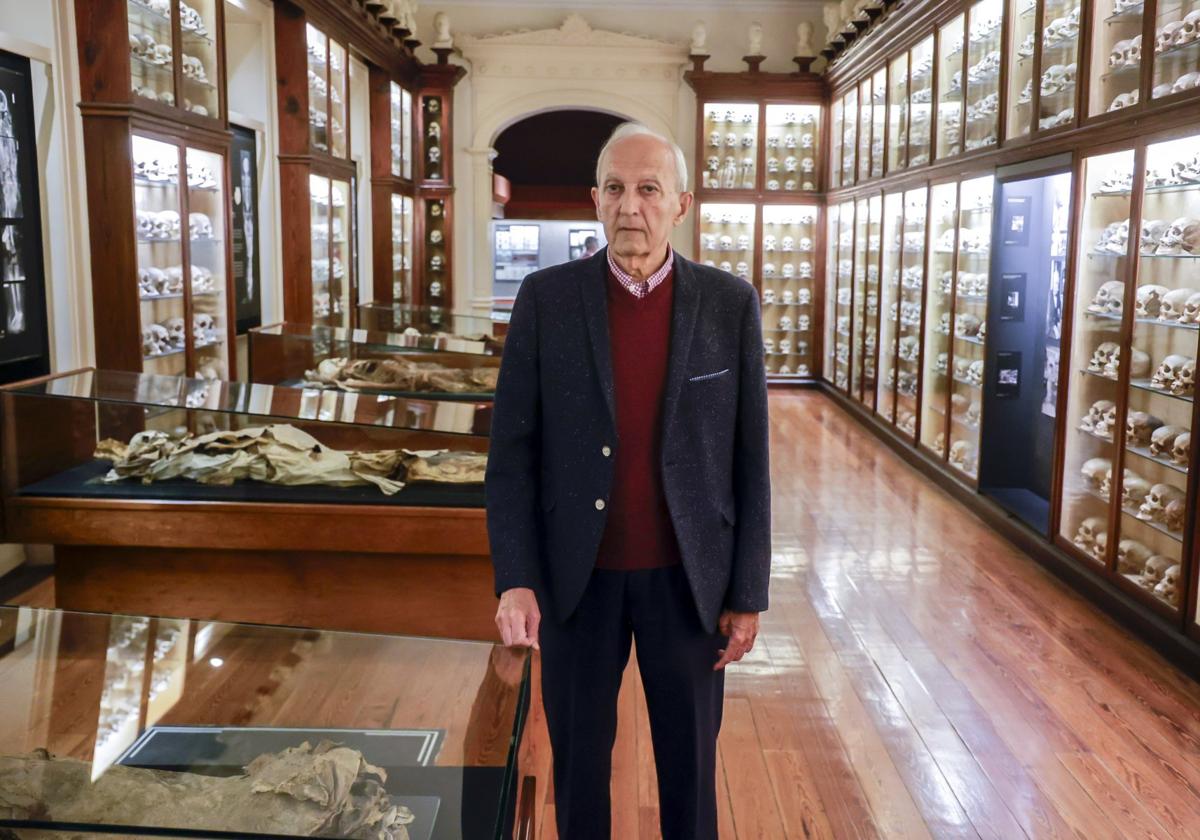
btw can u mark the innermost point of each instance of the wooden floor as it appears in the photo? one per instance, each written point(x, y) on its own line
point(918, 677)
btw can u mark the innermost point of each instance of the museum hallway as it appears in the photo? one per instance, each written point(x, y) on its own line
point(917, 676)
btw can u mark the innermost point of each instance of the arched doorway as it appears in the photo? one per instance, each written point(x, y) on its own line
point(546, 164)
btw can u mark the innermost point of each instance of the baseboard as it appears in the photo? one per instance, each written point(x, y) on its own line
point(1162, 635)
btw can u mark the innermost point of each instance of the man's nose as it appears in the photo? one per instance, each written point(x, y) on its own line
point(631, 203)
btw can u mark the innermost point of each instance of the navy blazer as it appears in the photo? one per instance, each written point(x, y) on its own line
point(548, 474)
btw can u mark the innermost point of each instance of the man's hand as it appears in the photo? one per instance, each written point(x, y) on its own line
point(742, 630)
point(518, 618)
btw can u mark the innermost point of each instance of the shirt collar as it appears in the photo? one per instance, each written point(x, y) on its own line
point(641, 288)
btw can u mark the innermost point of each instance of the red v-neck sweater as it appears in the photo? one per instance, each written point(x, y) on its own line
point(638, 533)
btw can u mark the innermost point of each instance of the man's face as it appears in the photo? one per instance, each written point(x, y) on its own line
point(638, 199)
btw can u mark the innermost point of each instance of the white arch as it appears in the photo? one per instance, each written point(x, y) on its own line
point(501, 115)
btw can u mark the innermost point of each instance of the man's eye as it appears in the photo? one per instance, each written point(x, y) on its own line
point(649, 188)
point(614, 187)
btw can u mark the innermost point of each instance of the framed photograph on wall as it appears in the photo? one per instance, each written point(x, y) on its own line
point(247, 238)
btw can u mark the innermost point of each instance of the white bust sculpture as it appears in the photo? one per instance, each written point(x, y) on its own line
point(756, 37)
point(832, 15)
point(804, 35)
point(441, 25)
point(699, 39)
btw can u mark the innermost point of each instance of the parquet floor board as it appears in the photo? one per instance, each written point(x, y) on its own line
point(918, 676)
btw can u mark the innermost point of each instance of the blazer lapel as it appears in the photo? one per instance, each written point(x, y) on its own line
point(593, 287)
point(684, 312)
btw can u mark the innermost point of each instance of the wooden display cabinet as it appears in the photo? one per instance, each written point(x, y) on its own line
point(392, 187)
point(155, 147)
point(759, 210)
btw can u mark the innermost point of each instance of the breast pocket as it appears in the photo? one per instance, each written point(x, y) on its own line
point(710, 377)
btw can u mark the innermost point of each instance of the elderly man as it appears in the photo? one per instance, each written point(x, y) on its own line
point(628, 494)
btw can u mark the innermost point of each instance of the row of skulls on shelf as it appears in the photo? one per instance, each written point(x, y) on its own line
point(789, 271)
point(732, 117)
point(969, 241)
point(787, 296)
point(969, 371)
point(1176, 374)
point(1155, 573)
point(803, 323)
point(970, 283)
point(906, 384)
point(171, 335)
point(784, 346)
point(966, 325)
point(963, 454)
point(742, 269)
point(1161, 503)
point(1172, 306)
point(1158, 236)
point(163, 282)
point(726, 242)
point(786, 370)
point(164, 225)
point(732, 140)
point(1186, 81)
point(1143, 430)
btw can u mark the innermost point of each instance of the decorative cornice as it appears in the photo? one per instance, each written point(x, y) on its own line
point(574, 32)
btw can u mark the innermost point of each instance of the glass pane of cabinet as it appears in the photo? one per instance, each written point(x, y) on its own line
point(338, 98)
point(832, 269)
point(878, 120)
point(151, 59)
point(787, 277)
point(1116, 55)
point(161, 268)
point(197, 23)
point(950, 88)
point(865, 124)
point(859, 296)
point(912, 283)
point(983, 73)
point(1060, 68)
point(727, 238)
point(1161, 381)
point(870, 319)
point(340, 287)
point(792, 132)
point(318, 188)
point(406, 123)
point(397, 131)
point(732, 130)
point(1102, 269)
point(1177, 48)
point(402, 234)
point(836, 128)
point(943, 239)
point(921, 102)
point(970, 320)
point(898, 114)
point(849, 138)
point(318, 88)
point(892, 233)
point(843, 296)
point(1021, 45)
point(206, 249)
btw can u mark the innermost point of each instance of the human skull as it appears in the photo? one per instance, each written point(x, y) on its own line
point(1109, 298)
point(1152, 232)
point(1107, 424)
point(726, 243)
point(785, 323)
point(747, 141)
point(714, 140)
point(1139, 368)
point(769, 345)
point(437, 262)
point(743, 242)
point(743, 270)
point(1166, 37)
point(714, 163)
point(1132, 556)
point(788, 296)
point(1116, 56)
point(1168, 588)
point(1185, 381)
point(768, 269)
point(975, 372)
point(727, 266)
point(789, 271)
point(773, 165)
point(1102, 355)
point(176, 331)
point(1162, 440)
point(1133, 54)
point(199, 226)
point(805, 272)
point(1154, 570)
point(1088, 532)
point(1191, 310)
point(1094, 470)
point(1154, 508)
point(788, 243)
point(435, 154)
point(166, 225)
point(1149, 300)
point(155, 340)
point(1140, 427)
point(1182, 236)
point(1164, 378)
point(731, 139)
point(785, 345)
point(1175, 515)
point(1181, 452)
point(145, 224)
point(768, 243)
point(1134, 490)
point(1114, 237)
point(1174, 305)
point(966, 324)
point(1191, 28)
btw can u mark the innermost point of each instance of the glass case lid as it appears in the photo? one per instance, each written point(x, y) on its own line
point(399, 317)
point(147, 726)
point(355, 407)
point(381, 340)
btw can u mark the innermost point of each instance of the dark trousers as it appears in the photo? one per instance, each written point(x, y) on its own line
point(582, 662)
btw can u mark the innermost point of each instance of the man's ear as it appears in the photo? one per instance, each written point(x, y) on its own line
point(596, 201)
point(685, 204)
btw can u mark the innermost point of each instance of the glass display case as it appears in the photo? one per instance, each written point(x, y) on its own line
point(429, 320)
point(1102, 272)
point(950, 88)
point(331, 264)
point(732, 132)
point(178, 725)
point(1022, 43)
point(939, 314)
point(1176, 48)
point(327, 93)
point(985, 24)
point(1160, 381)
point(832, 281)
point(1116, 60)
point(727, 238)
point(125, 435)
point(153, 58)
point(897, 114)
point(970, 293)
point(866, 122)
point(437, 251)
point(1058, 86)
point(793, 134)
point(879, 93)
point(849, 138)
point(402, 248)
point(430, 364)
point(182, 280)
point(843, 296)
point(434, 119)
point(892, 233)
point(837, 127)
point(859, 296)
point(401, 131)
point(788, 257)
point(920, 131)
point(911, 294)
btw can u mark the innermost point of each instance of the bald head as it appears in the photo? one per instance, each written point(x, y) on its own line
point(645, 142)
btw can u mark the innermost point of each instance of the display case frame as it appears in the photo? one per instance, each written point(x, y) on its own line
point(388, 185)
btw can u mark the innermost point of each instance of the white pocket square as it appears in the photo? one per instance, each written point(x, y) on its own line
point(705, 376)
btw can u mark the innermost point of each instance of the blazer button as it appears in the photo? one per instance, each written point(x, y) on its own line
point(599, 504)
point(605, 451)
